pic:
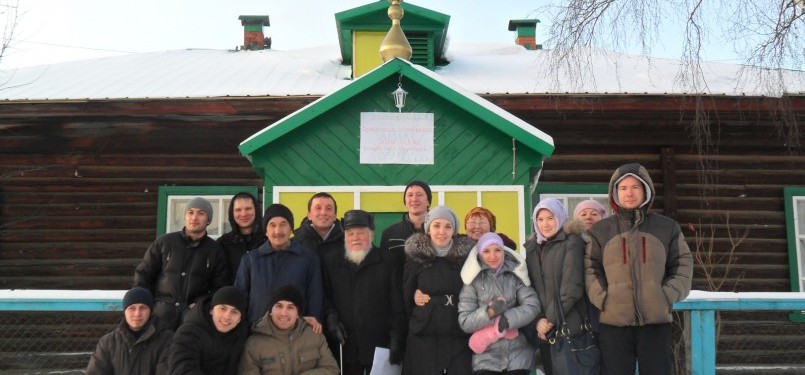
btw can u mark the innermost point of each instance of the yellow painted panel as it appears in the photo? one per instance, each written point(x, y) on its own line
point(344, 201)
point(365, 51)
point(382, 202)
point(505, 206)
point(461, 202)
point(297, 202)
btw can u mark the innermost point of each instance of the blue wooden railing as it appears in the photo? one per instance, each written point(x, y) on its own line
point(702, 307)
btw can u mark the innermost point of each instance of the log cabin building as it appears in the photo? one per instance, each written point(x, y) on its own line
point(89, 151)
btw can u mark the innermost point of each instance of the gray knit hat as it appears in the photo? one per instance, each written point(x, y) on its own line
point(201, 204)
point(442, 212)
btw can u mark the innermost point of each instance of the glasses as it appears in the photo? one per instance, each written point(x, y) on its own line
point(477, 223)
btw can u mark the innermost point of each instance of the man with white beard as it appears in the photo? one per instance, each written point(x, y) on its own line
point(362, 281)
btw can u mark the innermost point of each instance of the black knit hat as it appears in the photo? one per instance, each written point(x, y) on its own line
point(138, 295)
point(287, 293)
point(421, 184)
point(229, 295)
point(275, 210)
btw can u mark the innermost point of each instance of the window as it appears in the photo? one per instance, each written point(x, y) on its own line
point(795, 227)
point(571, 195)
point(385, 202)
point(173, 199)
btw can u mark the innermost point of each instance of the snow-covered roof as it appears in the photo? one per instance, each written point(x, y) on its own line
point(478, 68)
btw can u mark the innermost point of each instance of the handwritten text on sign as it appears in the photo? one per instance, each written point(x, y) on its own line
point(396, 138)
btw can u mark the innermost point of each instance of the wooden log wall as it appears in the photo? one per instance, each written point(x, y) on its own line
point(79, 181)
point(735, 190)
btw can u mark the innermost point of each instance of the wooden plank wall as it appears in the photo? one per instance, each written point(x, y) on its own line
point(741, 191)
point(79, 181)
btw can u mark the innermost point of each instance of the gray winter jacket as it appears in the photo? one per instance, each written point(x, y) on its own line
point(637, 263)
point(522, 307)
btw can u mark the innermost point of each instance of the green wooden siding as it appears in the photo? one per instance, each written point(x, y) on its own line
point(326, 150)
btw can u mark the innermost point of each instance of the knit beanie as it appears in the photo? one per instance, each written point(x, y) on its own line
point(201, 204)
point(287, 293)
point(275, 210)
point(482, 212)
point(590, 203)
point(138, 295)
point(442, 212)
point(489, 238)
point(557, 209)
point(229, 295)
point(421, 184)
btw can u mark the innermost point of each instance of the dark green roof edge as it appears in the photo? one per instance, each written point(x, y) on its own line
point(410, 72)
point(344, 29)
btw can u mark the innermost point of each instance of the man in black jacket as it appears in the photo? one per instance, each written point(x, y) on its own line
point(182, 268)
point(138, 345)
point(246, 220)
point(362, 281)
point(320, 231)
point(417, 198)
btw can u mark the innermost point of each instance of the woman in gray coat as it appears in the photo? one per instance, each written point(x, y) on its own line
point(555, 258)
point(494, 303)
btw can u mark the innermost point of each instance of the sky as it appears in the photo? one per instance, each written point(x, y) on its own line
point(50, 31)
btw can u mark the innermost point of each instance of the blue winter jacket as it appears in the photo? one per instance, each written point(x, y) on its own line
point(264, 269)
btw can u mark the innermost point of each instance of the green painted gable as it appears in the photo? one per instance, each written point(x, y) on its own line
point(319, 144)
point(425, 29)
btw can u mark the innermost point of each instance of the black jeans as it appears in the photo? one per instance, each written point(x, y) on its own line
point(512, 372)
point(648, 347)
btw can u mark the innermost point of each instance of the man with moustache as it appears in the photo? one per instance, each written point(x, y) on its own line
point(362, 281)
point(183, 268)
point(278, 262)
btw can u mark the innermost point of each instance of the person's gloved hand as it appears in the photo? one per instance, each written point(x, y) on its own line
point(335, 329)
point(503, 323)
point(396, 350)
point(496, 307)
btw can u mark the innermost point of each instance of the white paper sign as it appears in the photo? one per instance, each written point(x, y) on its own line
point(396, 138)
point(381, 365)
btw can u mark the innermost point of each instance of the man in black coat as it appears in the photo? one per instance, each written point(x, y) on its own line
point(360, 282)
point(183, 268)
point(138, 345)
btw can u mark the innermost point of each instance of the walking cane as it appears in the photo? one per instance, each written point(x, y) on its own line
point(341, 356)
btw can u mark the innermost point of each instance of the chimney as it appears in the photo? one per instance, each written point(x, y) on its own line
point(253, 38)
point(526, 33)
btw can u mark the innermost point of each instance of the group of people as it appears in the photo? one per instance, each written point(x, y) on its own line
point(427, 300)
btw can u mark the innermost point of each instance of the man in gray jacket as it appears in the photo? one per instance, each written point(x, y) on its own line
point(637, 265)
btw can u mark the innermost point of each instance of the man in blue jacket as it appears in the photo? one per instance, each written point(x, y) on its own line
point(278, 262)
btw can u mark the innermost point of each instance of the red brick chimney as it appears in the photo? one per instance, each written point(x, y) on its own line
point(253, 37)
point(526, 33)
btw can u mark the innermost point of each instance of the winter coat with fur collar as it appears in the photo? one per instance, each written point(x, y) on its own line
point(522, 306)
point(435, 340)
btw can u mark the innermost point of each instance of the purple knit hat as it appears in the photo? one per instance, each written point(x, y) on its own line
point(487, 239)
point(557, 209)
